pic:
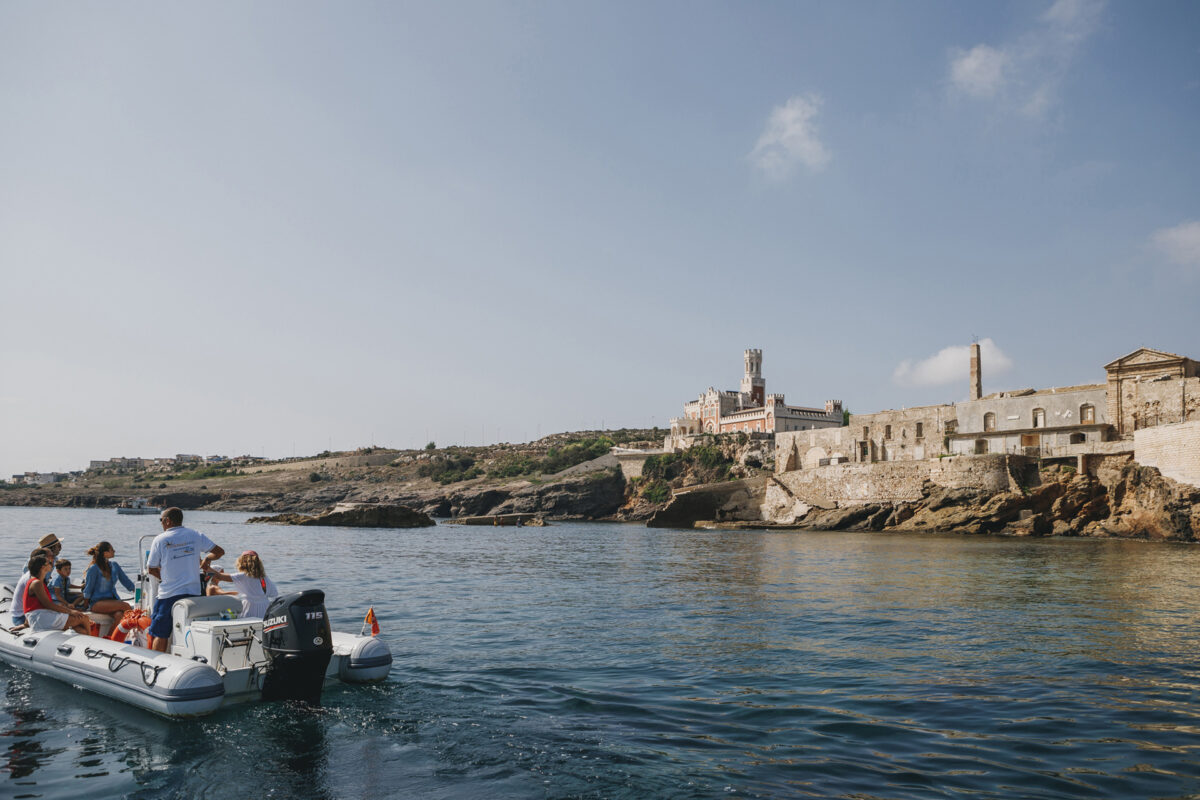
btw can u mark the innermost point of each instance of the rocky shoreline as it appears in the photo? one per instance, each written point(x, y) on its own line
point(1122, 499)
point(1126, 501)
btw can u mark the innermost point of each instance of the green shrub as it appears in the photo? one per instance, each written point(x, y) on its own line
point(449, 469)
point(557, 460)
point(510, 465)
point(314, 477)
point(656, 491)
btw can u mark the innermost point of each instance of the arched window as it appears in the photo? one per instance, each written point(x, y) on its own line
point(1087, 413)
point(989, 422)
point(1039, 418)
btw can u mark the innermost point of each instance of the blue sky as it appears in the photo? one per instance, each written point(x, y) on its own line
point(279, 227)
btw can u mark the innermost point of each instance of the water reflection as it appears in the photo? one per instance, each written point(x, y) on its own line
point(617, 661)
point(25, 748)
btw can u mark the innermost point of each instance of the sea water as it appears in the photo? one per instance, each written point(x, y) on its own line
point(605, 660)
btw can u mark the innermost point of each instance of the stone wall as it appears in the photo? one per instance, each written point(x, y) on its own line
point(806, 449)
point(1173, 449)
point(891, 482)
point(910, 434)
point(1013, 411)
point(1150, 403)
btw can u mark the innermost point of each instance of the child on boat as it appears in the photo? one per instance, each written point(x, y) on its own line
point(251, 585)
point(61, 587)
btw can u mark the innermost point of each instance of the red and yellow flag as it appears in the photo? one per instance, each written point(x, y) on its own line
point(372, 621)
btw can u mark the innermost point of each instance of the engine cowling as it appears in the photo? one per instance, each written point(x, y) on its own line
point(298, 645)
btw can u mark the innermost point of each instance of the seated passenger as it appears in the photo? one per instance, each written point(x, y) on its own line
point(99, 585)
point(251, 585)
point(41, 611)
point(61, 587)
point(18, 600)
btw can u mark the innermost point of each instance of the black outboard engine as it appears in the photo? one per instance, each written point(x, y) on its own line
point(298, 645)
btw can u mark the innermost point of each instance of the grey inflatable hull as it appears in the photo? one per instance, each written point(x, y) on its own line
point(156, 682)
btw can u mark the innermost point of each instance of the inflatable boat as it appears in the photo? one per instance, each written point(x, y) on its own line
point(211, 660)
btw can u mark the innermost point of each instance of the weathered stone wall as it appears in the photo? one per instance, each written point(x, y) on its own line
point(1061, 406)
point(804, 449)
point(897, 481)
point(910, 434)
point(1153, 403)
point(1173, 449)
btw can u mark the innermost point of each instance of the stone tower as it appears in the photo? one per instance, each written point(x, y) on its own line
point(976, 375)
point(752, 382)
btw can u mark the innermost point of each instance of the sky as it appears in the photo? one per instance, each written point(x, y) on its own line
point(275, 228)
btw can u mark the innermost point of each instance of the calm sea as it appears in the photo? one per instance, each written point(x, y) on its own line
point(603, 660)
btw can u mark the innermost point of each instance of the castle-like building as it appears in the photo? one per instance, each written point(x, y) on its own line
point(751, 409)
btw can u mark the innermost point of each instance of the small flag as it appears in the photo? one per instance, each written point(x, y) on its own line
point(372, 621)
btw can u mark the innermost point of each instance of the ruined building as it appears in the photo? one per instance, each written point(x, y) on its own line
point(1149, 407)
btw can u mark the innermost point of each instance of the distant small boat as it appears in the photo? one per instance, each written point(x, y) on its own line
point(137, 506)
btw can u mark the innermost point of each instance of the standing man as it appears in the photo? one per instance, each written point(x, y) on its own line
point(176, 561)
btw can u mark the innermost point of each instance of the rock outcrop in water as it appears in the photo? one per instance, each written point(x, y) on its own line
point(723, 502)
point(356, 515)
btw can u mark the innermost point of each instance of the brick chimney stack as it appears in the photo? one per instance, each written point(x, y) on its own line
point(976, 376)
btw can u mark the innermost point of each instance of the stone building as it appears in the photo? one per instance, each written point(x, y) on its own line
point(910, 434)
point(1149, 408)
point(751, 409)
point(1150, 387)
point(1031, 422)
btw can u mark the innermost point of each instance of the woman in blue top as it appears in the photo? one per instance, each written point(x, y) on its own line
point(99, 585)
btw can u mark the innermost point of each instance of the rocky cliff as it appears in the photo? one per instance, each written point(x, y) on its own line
point(1122, 500)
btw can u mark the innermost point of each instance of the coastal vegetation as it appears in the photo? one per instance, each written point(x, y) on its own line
point(445, 469)
point(556, 459)
point(704, 463)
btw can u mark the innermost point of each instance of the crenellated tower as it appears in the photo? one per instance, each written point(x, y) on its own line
point(752, 382)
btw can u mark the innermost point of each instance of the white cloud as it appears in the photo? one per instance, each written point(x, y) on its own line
point(979, 71)
point(790, 138)
point(1025, 74)
point(1180, 244)
point(1074, 18)
point(950, 365)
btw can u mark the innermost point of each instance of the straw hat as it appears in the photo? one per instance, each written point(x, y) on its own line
point(49, 540)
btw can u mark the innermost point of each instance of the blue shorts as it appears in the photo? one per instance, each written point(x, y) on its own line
point(160, 620)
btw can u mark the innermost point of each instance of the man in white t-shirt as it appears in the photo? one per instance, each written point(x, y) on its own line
point(176, 560)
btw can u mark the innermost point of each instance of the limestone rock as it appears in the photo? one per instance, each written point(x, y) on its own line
point(356, 515)
point(719, 502)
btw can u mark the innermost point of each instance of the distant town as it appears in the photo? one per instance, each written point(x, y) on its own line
point(124, 466)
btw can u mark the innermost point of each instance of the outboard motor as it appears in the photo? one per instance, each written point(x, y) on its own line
point(298, 645)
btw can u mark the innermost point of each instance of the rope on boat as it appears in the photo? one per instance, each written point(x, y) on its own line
point(118, 662)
